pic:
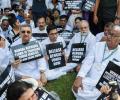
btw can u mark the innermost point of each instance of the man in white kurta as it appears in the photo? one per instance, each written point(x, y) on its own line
point(102, 35)
point(94, 65)
point(32, 68)
point(84, 36)
point(54, 38)
point(41, 26)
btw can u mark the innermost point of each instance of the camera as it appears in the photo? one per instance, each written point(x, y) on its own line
point(113, 94)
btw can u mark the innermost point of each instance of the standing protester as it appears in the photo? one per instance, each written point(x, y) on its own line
point(39, 8)
point(106, 11)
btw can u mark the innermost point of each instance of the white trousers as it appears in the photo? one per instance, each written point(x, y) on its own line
point(58, 72)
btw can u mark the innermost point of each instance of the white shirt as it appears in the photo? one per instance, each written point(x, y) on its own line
point(92, 68)
point(47, 41)
point(4, 62)
point(32, 68)
point(37, 30)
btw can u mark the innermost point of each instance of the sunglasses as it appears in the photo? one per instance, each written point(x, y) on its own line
point(28, 32)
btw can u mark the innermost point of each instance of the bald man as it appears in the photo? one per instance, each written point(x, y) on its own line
point(84, 36)
point(84, 87)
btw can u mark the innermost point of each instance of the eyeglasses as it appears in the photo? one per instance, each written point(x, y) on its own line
point(84, 27)
point(28, 32)
point(53, 33)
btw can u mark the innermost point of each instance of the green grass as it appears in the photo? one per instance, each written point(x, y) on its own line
point(62, 86)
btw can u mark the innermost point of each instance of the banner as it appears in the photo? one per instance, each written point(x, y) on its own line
point(67, 36)
point(40, 36)
point(88, 5)
point(73, 4)
point(44, 95)
point(111, 73)
point(77, 53)
point(55, 54)
point(27, 52)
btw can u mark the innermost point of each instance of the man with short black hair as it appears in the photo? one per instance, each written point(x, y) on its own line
point(53, 38)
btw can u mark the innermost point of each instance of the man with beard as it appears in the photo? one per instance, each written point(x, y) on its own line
point(84, 36)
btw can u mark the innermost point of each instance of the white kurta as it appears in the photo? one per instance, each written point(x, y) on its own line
point(32, 68)
point(92, 68)
point(78, 38)
point(56, 73)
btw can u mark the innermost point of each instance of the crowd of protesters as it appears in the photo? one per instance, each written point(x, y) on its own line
point(97, 29)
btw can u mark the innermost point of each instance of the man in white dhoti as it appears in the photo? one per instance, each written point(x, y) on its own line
point(6, 72)
point(94, 65)
point(84, 36)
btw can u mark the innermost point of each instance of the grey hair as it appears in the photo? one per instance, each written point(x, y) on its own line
point(25, 25)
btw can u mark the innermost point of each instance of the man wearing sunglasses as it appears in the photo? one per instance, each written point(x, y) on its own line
point(34, 68)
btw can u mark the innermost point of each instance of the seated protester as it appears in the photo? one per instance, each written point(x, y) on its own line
point(107, 28)
point(63, 23)
point(28, 20)
point(14, 33)
point(54, 38)
point(15, 8)
point(93, 66)
point(25, 91)
point(35, 68)
point(56, 15)
point(5, 14)
point(84, 36)
point(75, 13)
point(55, 4)
point(41, 23)
point(6, 72)
point(49, 20)
point(5, 28)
